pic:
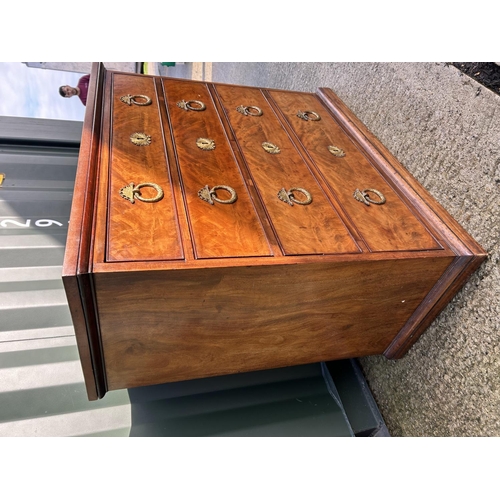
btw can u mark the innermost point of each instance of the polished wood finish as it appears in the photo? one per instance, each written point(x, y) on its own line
point(181, 289)
point(241, 318)
point(386, 227)
point(137, 231)
point(439, 222)
point(78, 242)
point(218, 230)
point(314, 228)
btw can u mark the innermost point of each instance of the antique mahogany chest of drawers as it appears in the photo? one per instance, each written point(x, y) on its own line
point(218, 229)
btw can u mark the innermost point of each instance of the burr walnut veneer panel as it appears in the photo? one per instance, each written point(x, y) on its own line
point(137, 231)
point(314, 228)
point(391, 226)
point(218, 230)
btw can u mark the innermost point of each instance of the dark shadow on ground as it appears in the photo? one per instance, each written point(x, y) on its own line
point(486, 73)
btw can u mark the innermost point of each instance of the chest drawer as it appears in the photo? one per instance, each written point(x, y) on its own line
point(139, 231)
point(205, 160)
point(275, 167)
point(386, 227)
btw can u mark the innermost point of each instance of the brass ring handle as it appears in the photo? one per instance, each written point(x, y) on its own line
point(209, 195)
point(132, 193)
point(309, 116)
point(363, 197)
point(188, 105)
point(250, 110)
point(288, 196)
point(132, 99)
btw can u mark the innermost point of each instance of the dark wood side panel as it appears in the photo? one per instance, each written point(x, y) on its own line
point(90, 311)
point(76, 309)
point(77, 253)
point(440, 296)
point(179, 325)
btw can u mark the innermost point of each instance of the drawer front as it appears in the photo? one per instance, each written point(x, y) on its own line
point(142, 230)
point(314, 228)
point(387, 227)
point(218, 229)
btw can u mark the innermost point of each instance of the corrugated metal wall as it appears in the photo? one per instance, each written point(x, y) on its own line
point(42, 392)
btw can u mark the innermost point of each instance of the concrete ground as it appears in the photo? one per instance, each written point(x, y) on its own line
point(445, 129)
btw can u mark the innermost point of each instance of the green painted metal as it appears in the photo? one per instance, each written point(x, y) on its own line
point(288, 402)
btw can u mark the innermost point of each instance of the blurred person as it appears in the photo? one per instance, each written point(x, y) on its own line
point(81, 89)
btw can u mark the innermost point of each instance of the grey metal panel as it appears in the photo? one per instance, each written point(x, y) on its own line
point(293, 401)
point(35, 201)
point(85, 67)
point(20, 250)
point(42, 391)
point(17, 195)
point(356, 398)
point(39, 129)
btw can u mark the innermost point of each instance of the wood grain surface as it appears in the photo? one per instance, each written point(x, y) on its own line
point(139, 231)
point(185, 324)
point(308, 229)
point(218, 230)
point(77, 251)
point(388, 227)
point(444, 227)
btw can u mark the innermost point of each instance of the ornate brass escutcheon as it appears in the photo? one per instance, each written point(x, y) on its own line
point(363, 197)
point(289, 197)
point(188, 105)
point(132, 99)
point(209, 195)
point(249, 110)
point(140, 139)
point(132, 192)
point(205, 144)
point(309, 116)
point(339, 153)
point(271, 148)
